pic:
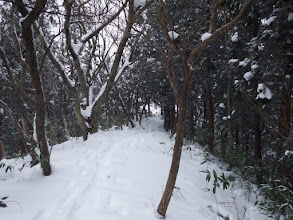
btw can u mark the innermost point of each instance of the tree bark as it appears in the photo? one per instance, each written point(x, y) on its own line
point(2, 152)
point(31, 60)
point(209, 106)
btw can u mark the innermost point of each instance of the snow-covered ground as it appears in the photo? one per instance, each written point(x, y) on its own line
point(120, 174)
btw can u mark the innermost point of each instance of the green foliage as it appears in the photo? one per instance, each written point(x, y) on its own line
point(273, 176)
point(236, 158)
point(8, 168)
point(279, 198)
point(35, 161)
point(45, 164)
point(207, 156)
point(200, 136)
point(218, 180)
point(2, 202)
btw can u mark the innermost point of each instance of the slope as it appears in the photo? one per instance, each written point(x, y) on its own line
point(120, 174)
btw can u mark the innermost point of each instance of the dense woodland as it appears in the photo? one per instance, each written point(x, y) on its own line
point(220, 71)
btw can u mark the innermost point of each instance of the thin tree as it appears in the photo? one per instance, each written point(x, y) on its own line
point(182, 97)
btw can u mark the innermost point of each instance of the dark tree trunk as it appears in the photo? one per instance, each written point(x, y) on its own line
point(31, 60)
point(257, 136)
point(136, 107)
point(285, 95)
point(173, 120)
point(2, 152)
point(182, 98)
point(209, 105)
point(162, 209)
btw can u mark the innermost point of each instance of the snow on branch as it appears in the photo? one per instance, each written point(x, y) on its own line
point(138, 3)
point(173, 35)
point(263, 92)
point(205, 36)
point(86, 37)
point(125, 65)
point(86, 113)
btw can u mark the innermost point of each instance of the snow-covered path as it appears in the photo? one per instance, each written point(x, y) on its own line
point(119, 175)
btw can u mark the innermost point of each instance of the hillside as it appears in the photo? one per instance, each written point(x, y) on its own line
point(120, 174)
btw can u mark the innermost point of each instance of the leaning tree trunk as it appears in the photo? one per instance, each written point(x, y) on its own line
point(182, 98)
point(162, 209)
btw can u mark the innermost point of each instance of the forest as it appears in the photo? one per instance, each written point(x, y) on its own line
point(219, 71)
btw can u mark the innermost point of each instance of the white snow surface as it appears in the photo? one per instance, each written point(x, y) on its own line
point(205, 36)
point(117, 175)
point(173, 35)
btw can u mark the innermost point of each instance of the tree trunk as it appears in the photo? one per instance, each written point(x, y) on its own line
point(209, 105)
point(210, 119)
point(31, 59)
point(136, 107)
point(162, 209)
point(182, 99)
point(286, 99)
point(142, 111)
point(2, 152)
point(257, 143)
point(173, 119)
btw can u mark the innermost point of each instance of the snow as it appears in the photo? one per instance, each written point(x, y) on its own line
point(120, 175)
point(226, 117)
point(233, 61)
point(254, 66)
point(173, 35)
point(288, 153)
point(125, 65)
point(263, 92)
point(76, 47)
point(86, 113)
point(234, 37)
point(222, 105)
point(290, 16)
point(268, 21)
point(244, 62)
point(248, 75)
point(90, 32)
point(150, 60)
point(205, 36)
point(138, 3)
